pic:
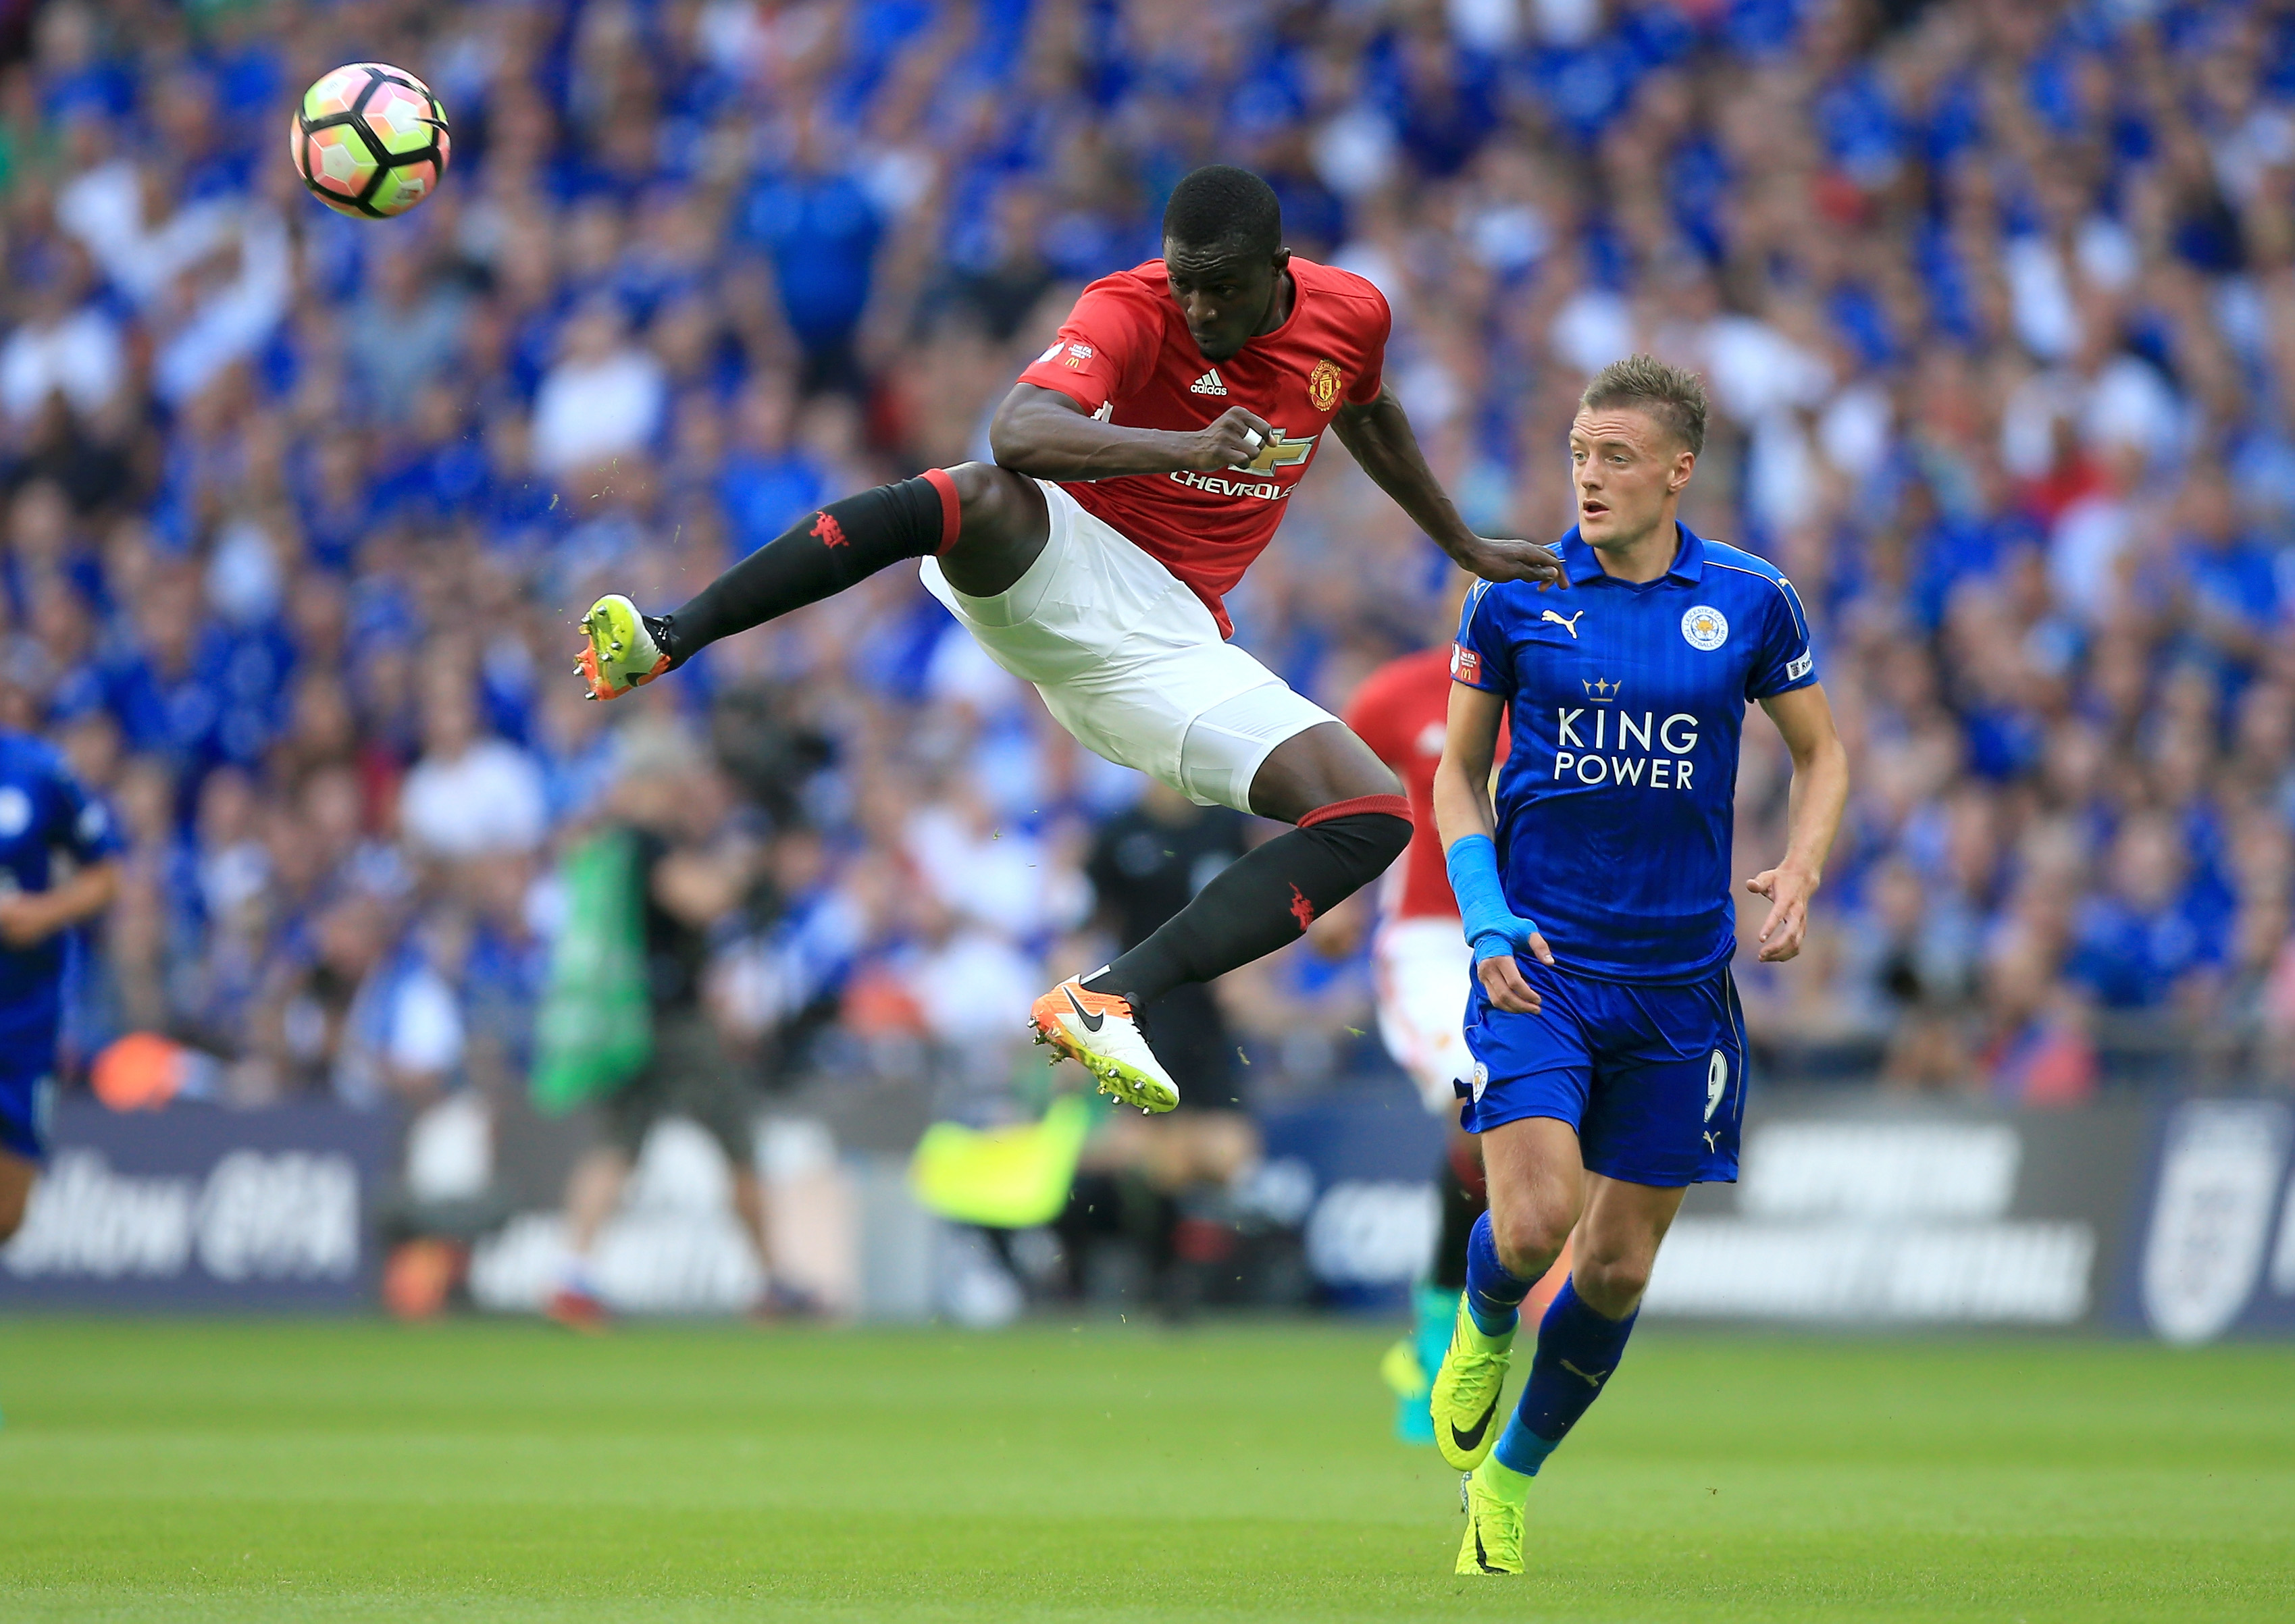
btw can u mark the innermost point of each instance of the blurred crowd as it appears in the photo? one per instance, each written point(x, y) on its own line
point(1996, 301)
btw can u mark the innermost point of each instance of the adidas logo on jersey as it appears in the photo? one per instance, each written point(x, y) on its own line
point(1208, 383)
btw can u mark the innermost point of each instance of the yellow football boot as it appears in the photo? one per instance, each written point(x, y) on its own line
point(619, 653)
point(1467, 1388)
point(1493, 1541)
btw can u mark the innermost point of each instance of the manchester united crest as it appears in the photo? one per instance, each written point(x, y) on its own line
point(1324, 384)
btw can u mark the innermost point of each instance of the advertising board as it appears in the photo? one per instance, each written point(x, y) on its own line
point(200, 1208)
point(1876, 1209)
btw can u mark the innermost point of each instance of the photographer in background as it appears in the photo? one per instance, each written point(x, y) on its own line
point(1160, 1181)
point(695, 869)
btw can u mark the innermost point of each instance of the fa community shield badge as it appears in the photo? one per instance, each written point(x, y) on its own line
point(1704, 627)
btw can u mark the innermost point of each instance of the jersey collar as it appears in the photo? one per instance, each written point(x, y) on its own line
point(1579, 564)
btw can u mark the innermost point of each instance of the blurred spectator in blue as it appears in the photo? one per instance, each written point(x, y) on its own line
point(2138, 940)
point(767, 479)
point(818, 226)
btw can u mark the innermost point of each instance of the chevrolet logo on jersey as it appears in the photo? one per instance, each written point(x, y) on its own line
point(1280, 451)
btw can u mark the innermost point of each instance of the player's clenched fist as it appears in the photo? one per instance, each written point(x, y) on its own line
point(1233, 439)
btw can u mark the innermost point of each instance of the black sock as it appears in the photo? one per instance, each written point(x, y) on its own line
point(1265, 899)
point(818, 557)
point(1460, 1206)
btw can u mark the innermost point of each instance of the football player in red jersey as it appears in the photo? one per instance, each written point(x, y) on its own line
point(1142, 462)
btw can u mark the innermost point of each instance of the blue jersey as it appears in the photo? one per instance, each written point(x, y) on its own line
point(1626, 703)
point(43, 811)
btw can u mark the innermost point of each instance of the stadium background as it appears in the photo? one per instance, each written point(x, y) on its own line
point(1997, 302)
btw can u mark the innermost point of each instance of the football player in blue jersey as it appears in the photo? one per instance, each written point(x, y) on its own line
point(1609, 1051)
point(43, 812)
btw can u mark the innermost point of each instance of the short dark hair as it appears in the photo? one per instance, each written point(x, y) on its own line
point(1672, 394)
point(1220, 206)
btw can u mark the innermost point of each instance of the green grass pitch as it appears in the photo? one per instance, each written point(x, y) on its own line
point(190, 1471)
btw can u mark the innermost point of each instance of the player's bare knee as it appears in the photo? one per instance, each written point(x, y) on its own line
point(1528, 1242)
point(977, 485)
point(991, 499)
point(1352, 773)
point(1325, 766)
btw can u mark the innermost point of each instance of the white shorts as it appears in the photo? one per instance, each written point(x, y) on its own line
point(1424, 967)
point(1131, 662)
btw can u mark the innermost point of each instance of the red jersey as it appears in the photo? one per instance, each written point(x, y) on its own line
point(1125, 356)
point(1401, 712)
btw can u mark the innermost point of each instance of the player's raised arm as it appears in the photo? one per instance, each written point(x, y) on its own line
point(1820, 790)
point(1045, 435)
point(1379, 435)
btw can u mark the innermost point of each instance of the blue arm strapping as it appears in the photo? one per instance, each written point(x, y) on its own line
point(1489, 924)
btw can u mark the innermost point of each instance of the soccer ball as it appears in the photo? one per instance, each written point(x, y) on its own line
point(370, 141)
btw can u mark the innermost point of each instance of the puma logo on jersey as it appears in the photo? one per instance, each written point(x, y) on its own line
point(1568, 624)
point(1208, 383)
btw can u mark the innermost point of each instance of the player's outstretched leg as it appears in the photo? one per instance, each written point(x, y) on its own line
point(987, 524)
point(1351, 823)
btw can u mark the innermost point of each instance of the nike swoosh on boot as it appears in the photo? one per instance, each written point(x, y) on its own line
point(1473, 1438)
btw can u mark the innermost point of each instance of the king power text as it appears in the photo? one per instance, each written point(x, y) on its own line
point(1589, 751)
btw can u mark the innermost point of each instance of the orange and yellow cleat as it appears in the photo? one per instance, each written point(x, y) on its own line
point(617, 653)
point(1101, 1031)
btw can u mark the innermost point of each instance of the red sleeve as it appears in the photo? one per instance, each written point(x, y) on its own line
point(1371, 377)
point(1105, 349)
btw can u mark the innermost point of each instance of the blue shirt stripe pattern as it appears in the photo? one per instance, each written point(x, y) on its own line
point(1627, 704)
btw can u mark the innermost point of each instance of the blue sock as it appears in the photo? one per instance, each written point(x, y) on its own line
point(1493, 1296)
point(1577, 1350)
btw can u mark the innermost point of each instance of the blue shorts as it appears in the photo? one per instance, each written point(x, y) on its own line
point(28, 1093)
point(1651, 1077)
